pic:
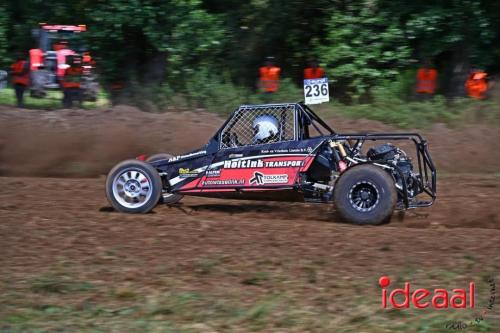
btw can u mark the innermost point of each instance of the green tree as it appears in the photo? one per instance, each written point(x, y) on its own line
point(149, 41)
point(5, 59)
point(365, 45)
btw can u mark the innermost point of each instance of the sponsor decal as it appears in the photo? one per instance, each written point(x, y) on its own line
point(180, 157)
point(187, 173)
point(243, 164)
point(246, 164)
point(284, 164)
point(261, 179)
point(287, 150)
point(214, 182)
point(213, 173)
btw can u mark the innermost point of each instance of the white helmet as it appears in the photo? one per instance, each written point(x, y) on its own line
point(264, 128)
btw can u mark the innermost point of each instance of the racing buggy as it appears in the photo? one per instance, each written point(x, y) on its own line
point(285, 152)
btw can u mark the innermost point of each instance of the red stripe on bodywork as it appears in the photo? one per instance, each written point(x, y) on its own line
point(208, 190)
point(307, 163)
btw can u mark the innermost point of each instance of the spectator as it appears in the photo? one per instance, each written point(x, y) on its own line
point(20, 78)
point(71, 81)
point(269, 79)
point(477, 84)
point(313, 71)
point(426, 81)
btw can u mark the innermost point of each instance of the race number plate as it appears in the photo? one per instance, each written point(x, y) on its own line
point(316, 91)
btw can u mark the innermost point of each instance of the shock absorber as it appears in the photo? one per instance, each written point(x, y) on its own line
point(339, 153)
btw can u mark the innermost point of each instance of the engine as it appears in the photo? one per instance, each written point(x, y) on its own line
point(402, 167)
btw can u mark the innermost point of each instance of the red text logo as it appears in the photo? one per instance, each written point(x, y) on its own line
point(422, 298)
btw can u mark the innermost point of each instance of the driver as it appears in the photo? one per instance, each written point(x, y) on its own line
point(265, 129)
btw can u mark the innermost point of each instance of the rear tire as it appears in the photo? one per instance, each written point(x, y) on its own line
point(365, 194)
point(166, 198)
point(133, 186)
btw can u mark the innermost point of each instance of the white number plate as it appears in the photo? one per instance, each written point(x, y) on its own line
point(316, 91)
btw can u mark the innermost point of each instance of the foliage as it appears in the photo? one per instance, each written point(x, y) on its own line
point(141, 38)
point(207, 52)
point(445, 26)
point(5, 59)
point(387, 106)
point(363, 47)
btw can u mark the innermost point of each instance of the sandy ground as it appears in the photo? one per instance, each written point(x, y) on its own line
point(252, 266)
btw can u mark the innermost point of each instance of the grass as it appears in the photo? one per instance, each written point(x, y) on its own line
point(58, 284)
point(409, 115)
point(386, 106)
point(52, 101)
point(63, 303)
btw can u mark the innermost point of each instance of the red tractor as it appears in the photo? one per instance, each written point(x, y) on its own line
point(48, 61)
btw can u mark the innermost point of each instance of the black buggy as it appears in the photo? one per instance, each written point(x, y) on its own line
point(285, 152)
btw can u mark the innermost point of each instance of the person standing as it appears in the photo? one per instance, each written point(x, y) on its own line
point(62, 53)
point(71, 81)
point(426, 81)
point(477, 84)
point(269, 77)
point(20, 78)
point(36, 59)
point(313, 71)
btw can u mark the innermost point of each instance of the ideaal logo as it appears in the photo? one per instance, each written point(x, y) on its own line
point(422, 298)
point(439, 298)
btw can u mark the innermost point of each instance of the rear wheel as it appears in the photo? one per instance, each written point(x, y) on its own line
point(166, 198)
point(365, 194)
point(133, 186)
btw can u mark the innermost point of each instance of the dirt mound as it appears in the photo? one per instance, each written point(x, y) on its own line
point(79, 143)
point(88, 142)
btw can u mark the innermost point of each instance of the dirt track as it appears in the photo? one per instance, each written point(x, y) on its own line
point(242, 266)
point(235, 252)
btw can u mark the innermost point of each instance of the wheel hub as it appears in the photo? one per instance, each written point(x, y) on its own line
point(132, 188)
point(364, 196)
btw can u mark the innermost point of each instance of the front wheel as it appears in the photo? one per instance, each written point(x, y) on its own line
point(133, 186)
point(365, 194)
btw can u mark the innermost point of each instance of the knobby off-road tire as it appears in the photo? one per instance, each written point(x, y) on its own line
point(133, 186)
point(365, 194)
point(166, 198)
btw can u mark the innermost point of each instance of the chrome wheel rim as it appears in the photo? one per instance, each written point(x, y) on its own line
point(364, 196)
point(132, 188)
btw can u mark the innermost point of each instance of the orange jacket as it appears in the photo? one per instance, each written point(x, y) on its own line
point(426, 80)
point(477, 85)
point(36, 59)
point(87, 59)
point(72, 77)
point(314, 73)
point(20, 73)
point(269, 78)
point(61, 60)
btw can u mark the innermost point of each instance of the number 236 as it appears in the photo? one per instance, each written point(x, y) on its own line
point(316, 90)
